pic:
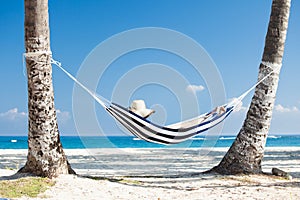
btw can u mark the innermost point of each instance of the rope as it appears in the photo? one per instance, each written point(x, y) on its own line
point(30, 55)
point(101, 100)
point(93, 94)
point(274, 68)
point(36, 53)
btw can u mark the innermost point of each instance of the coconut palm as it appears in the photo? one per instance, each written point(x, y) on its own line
point(246, 153)
point(45, 153)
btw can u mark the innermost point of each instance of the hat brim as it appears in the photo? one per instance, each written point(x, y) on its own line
point(143, 113)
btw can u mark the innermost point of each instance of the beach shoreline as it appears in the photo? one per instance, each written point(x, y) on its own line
point(154, 161)
point(146, 173)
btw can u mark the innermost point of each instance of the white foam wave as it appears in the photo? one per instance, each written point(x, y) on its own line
point(226, 138)
point(274, 136)
point(197, 138)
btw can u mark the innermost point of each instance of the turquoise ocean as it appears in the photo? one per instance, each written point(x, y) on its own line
point(75, 142)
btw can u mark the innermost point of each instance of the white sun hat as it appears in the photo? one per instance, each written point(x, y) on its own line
point(139, 108)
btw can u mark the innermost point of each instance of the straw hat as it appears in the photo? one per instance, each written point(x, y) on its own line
point(139, 108)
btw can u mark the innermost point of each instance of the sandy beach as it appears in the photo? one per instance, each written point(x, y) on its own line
point(163, 174)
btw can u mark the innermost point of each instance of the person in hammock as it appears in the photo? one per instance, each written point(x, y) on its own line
point(139, 107)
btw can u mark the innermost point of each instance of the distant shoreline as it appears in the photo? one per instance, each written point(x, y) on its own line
point(123, 135)
point(76, 142)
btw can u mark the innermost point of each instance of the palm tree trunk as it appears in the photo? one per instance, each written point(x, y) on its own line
point(45, 153)
point(246, 153)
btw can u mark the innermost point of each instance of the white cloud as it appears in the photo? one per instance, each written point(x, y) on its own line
point(195, 88)
point(282, 109)
point(13, 114)
point(14, 122)
point(240, 107)
point(62, 116)
point(277, 108)
point(285, 120)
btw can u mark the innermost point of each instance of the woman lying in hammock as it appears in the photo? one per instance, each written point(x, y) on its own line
point(139, 107)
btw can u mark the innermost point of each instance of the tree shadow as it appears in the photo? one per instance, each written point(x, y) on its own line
point(16, 176)
point(205, 180)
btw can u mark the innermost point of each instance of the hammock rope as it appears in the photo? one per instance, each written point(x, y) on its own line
point(148, 131)
point(100, 100)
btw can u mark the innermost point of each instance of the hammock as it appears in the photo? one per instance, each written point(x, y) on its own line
point(171, 134)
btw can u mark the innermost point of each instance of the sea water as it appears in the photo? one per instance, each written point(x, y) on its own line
point(76, 142)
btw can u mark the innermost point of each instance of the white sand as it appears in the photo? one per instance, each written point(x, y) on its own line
point(144, 169)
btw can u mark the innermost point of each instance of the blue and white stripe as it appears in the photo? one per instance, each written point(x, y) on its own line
point(146, 130)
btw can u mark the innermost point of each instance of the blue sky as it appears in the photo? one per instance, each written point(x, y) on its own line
point(231, 32)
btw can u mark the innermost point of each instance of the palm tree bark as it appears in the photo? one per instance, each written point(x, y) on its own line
point(45, 153)
point(246, 153)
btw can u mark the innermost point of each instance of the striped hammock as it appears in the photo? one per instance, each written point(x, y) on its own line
point(171, 134)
